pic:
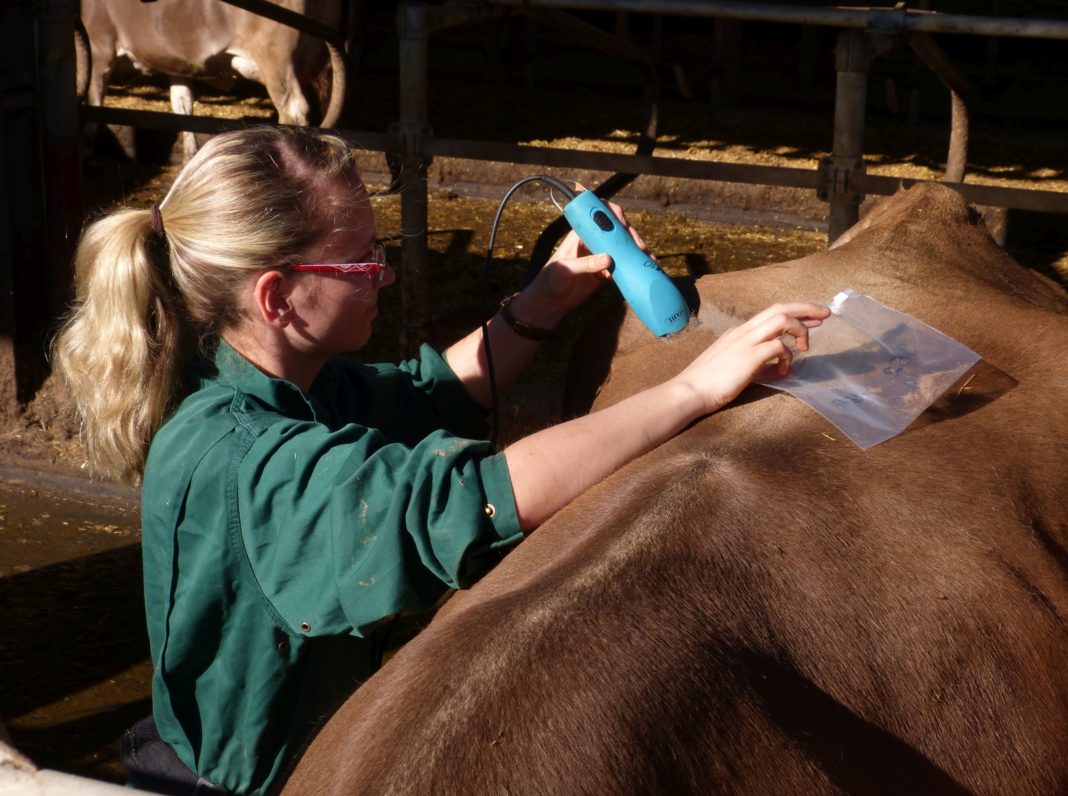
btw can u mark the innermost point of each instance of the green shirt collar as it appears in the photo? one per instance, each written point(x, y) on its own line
point(279, 395)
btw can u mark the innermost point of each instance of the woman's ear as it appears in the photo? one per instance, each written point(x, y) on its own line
point(272, 299)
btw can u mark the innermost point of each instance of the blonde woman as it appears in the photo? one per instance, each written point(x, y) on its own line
point(294, 499)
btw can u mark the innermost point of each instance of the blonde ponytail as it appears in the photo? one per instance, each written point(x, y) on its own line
point(122, 347)
point(248, 201)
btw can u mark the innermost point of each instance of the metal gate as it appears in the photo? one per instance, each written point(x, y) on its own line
point(39, 228)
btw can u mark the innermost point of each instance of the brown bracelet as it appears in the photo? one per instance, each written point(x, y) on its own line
point(520, 328)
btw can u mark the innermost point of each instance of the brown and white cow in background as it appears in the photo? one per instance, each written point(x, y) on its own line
point(756, 607)
point(215, 42)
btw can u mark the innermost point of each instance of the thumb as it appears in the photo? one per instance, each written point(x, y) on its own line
point(592, 264)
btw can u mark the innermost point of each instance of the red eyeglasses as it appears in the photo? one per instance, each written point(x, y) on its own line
point(375, 267)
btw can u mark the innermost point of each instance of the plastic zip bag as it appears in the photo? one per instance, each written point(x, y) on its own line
point(872, 370)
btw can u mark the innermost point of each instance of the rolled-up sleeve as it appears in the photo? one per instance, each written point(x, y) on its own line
point(343, 528)
point(406, 401)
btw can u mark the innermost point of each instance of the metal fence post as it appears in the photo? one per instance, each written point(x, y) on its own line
point(840, 187)
point(19, 233)
point(413, 129)
point(61, 148)
point(40, 178)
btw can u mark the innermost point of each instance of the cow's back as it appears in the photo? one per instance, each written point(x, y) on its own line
point(757, 607)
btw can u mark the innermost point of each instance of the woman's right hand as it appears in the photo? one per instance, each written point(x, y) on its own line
point(572, 274)
point(726, 367)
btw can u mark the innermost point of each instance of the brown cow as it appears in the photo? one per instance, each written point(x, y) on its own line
point(758, 606)
point(215, 42)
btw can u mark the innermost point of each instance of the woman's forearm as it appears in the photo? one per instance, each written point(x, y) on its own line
point(511, 352)
point(554, 466)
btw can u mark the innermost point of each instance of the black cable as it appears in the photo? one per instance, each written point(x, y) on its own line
point(483, 310)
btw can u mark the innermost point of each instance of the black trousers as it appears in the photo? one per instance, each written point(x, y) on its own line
point(154, 766)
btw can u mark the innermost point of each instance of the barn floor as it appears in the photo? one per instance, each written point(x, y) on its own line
point(73, 658)
point(75, 669)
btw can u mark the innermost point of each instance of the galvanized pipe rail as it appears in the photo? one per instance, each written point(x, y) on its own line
point(868, 18)
point(655, 165)
point(717, 171)
point(841, 178)
point(292, 19)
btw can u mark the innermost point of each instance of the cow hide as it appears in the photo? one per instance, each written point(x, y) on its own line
point(758, 606)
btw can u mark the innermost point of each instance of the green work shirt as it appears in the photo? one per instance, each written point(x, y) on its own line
point(281, 528)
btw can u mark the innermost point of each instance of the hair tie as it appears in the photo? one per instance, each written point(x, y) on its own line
point(157, 223)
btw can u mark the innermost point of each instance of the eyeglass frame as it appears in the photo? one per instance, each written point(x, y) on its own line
point(373, 268)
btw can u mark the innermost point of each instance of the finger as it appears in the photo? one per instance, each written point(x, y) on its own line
point(588, 264)
point(618, 210)
point(786, 359)
point(619, 213)
point(801, 310)
point(806, 309)
point(769, 373)
point(775, 326)
point(593, 264)
point(776, 350)
point(799, 331)
point(762, 317)
point(570, 247)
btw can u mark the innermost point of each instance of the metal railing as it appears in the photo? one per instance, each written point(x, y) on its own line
point(840, 178)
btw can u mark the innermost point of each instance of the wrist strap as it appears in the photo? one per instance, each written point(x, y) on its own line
point(520, 328)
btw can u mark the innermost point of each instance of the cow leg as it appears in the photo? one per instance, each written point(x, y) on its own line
point(288, 97)
point(247, 68)
point(100, 63)
point(182, 102)
point(106, 138)
point(282, 87)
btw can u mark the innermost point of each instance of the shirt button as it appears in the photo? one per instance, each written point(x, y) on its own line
point(489, 510)
point(305, 627)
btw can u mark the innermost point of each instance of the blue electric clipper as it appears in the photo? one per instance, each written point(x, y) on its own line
point(648, 290)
